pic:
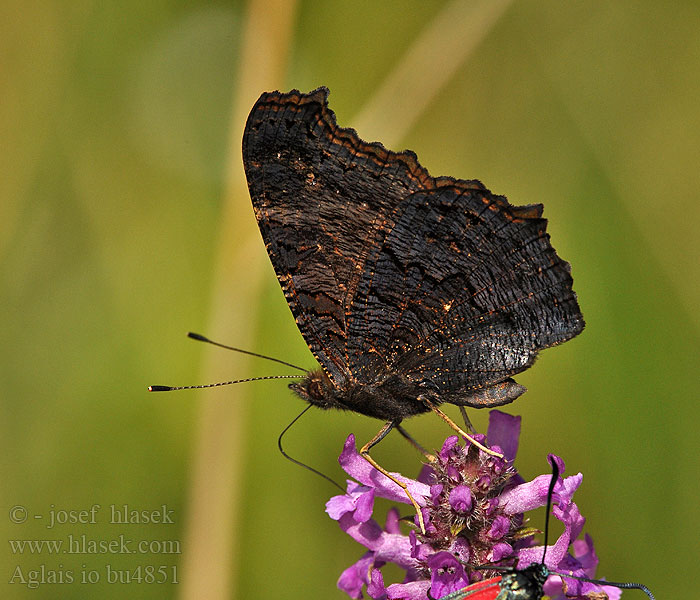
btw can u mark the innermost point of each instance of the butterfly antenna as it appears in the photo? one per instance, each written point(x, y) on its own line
point(550, 493)
point(169, 388)
point(201, 338)
point(297, 462)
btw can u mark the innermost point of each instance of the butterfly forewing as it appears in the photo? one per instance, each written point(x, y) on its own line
point(322, 198)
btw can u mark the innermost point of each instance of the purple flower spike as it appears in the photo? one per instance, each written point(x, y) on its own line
point(474, 507)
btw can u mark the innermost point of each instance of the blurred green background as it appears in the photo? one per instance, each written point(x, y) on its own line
point(124, 223)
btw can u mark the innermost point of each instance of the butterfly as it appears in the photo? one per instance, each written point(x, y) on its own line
point(410, 290)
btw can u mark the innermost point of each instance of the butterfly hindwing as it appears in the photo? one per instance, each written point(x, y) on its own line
point(463, 292)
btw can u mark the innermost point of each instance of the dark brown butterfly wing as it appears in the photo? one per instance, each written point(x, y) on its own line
point(321, 196)
point(388, 270)
point(462, 293)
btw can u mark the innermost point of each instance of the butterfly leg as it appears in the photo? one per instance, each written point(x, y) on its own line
point(467, 422)
point(415, 444)
point(457, 428)
point(364, 452)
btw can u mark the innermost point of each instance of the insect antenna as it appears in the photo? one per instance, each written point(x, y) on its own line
point(201, 338)
point(624, 586)
point(170, 388)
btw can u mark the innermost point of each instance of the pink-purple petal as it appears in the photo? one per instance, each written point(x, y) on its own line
point(572, 517)
point(447, 574)
point(375, 588)
point(337, 506)
point(526, 496)
point(499, 527)
point(392, 521)
point(368, 533)
point(415, 590)
point(355, 576)
point(359, 500)
point(504, 431)
point(460, 499)
point(584, 552)
point(460, 548)
point(355, 465)
point(447, 447)
point(500, 551)
point(364, 506)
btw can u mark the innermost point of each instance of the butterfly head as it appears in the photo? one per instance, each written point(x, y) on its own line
point(316, 388)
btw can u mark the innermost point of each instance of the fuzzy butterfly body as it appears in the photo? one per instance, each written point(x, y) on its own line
point(406, 287)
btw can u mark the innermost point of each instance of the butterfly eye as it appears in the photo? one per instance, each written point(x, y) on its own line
point(315, 389)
